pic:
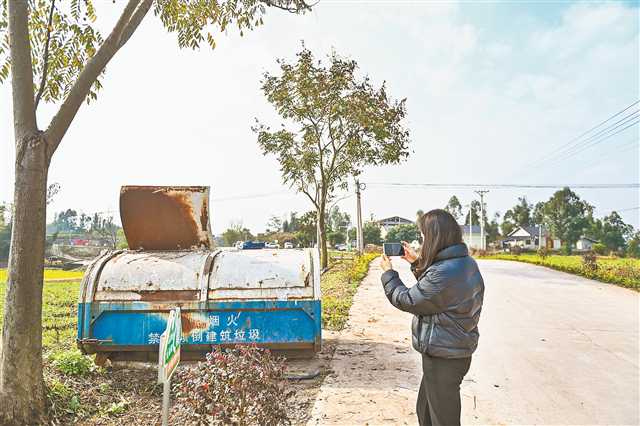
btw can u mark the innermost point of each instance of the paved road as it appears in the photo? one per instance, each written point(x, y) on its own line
point(554, 349)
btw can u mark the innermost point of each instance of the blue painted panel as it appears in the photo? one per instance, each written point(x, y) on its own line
point(134, 323)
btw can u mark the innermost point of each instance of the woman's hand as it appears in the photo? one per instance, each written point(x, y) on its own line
point(385, 263)
point(410, 254)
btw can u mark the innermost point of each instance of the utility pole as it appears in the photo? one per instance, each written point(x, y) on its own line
point(482, 239)
point(470, 226)
point(359, 234)
point(540, 236)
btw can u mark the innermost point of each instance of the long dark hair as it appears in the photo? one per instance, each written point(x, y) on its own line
point(440, 230)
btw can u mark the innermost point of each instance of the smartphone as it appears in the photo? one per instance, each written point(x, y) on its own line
point(393, 249)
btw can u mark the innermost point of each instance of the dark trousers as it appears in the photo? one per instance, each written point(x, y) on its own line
point(439, 395)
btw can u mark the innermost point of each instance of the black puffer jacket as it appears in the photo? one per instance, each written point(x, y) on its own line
point(446, 302)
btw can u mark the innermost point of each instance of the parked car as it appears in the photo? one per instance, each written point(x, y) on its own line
point(341, 247)
point(288, 245)
point(272, 245)
point(252, 245)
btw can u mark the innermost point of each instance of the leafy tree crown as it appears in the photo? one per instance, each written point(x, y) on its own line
point(336, 123)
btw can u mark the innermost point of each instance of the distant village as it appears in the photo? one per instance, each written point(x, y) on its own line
point(74, 237)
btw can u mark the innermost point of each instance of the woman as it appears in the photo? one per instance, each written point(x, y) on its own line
point(446, 303)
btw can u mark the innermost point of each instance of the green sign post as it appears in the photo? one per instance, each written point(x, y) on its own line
point(169, 357)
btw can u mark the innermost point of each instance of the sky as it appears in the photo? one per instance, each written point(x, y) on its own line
point(493, 89)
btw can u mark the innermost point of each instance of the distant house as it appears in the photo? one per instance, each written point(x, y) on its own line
point(472, 239)
point(531, 238)
point(388, 223)
point(585, 244)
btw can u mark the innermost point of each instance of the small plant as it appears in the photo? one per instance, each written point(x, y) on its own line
point(74, 405)
point(241, 386)
point(600, 249)
point(58, 393)
point(543, 252)
point(590, 262)
point(61, 399)
point(117, 408)
point(72, 363)
point(516, 250)
point(566, 249)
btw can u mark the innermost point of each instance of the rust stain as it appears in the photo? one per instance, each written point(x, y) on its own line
point(163, 217)
point(192, 321)
point(204, 216)
point(168, 296)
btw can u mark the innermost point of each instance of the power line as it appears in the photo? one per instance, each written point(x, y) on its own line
point(508, 185)
point(598, 138)
point(249, 197)
point(573, 141)
point(627, 210)
point(633, 143)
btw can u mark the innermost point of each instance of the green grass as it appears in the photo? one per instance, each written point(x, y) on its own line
point(59, 314)
point(623, 272)
point(339, 285)
point(49, 274)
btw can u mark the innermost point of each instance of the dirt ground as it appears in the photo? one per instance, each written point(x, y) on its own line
point(375, 372)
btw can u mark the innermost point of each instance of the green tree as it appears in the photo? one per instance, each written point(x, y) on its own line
point(236, 232)
point(615, 232)
point(291, 224)
point(337, 220)
point(408, 232)
point(454, 207)
point(307, 229)
point(537, 216)
point(5, 241)
point(567, 216)
point(103, 227)
point(122, 240)
point(475, 213)
point(3, 212)
point(371, 233)
point(336, 237)
point(338, 123)
point(274, 224)
point(492, 229)
point(5, 231)
point(518, 215)
point(54, 53)
point(65, 222)
point(633, 246)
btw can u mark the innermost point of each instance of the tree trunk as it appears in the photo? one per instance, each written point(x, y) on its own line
point(22, 393)
point(322, 236)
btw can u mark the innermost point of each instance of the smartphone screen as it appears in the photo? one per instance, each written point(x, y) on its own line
point(393, 249)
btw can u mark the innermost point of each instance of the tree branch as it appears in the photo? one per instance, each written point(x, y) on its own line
point(131, 17)
point(45, 59)
point(303, 5)
point(135, 21)
point(24, 115)
point(313, 200)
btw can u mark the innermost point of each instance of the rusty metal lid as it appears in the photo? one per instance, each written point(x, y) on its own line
point(166, 217)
